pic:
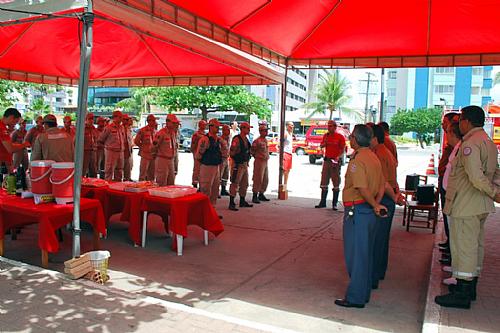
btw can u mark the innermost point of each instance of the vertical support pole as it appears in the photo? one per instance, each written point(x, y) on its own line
point(367, 94)
point(282, 127)
point(382, 88)
point(83, 84)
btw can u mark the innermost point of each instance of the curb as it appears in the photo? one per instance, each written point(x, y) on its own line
point(432, 312)
point(153, 300)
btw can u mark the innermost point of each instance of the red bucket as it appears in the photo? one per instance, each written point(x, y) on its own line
point(62, 181)
point(40, 177)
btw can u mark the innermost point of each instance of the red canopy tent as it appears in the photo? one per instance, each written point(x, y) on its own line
point(56, 42)
point(349, 33)
point(130, 48)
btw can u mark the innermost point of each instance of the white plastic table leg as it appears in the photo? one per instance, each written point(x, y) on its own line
point(205, 237)
point(144, 228)
point(180, 241)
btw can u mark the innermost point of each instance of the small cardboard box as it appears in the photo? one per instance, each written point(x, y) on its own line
point(282, 192)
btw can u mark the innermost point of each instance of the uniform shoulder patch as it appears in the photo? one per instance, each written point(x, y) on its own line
point(467, 151)
point(353, 167)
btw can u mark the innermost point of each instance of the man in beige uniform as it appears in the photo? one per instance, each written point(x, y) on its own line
point(240, 155)
point(260, 152)
point(90, 147)
point(113, 139)
point(202, 125)
point(34, 132)
point(469, 200)
point(144, 140)
point(165, 148)
point(101, 125)
point(128, 158)
point(68, 127)
point(53, 144)
point(224, 167)
point(211, 148)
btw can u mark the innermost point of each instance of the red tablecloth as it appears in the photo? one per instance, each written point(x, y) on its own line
point(128, 204)
point(193, 209)
point(15, 211)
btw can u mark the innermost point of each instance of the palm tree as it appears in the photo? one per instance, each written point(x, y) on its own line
point(331, 95)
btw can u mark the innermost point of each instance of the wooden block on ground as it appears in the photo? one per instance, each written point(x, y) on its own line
point(77, 261)
point(79, 271)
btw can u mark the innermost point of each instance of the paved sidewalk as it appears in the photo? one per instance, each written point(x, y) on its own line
point(484, 315)
point(36, 300)
point(280, 264)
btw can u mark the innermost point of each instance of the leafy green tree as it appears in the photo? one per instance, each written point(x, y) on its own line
point(423, 122)
point(139, 101)
point(331, 95)
point(39, 106)
point(210, 99)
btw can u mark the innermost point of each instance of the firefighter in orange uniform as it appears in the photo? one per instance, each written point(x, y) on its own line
point(90, 147)
point(363, 190)
point(128, 158)
point(20, 156)
point(101, 125)
point(334, 145)
point(68, 127)
point(224, 167)
point(195, 138)
point(113, 139)
point(53, 144)
point(144, 140)
point(240, 155)
point(165, 149)
point(389, 200)
point(35, 131)
point(260, 152)
point(211, 148)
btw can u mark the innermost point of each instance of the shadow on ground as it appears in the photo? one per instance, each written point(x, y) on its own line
point(280, 264)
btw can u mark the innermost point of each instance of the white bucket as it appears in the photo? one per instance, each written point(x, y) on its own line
point(62, 182)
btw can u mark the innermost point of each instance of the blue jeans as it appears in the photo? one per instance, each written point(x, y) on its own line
point(382, 237)
point(359, 236)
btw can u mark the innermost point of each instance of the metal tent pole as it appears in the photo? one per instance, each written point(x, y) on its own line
point(282, 126)
point(85, 53)
point(382, 116)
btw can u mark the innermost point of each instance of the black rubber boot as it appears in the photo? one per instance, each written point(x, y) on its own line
point(335, 199)
point(255, 198)
point(244, 203)
point(473, 292)
point(223, 191)
point(232, 205)
point(460, 298)
point(322, 203)
point(262, 197)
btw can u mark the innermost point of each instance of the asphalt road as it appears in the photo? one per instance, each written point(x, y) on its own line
point(304, 177)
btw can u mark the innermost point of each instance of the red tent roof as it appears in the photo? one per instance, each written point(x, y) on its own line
point(351, 33)
point(131, 48)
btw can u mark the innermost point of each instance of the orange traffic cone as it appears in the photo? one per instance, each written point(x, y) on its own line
point(430, 168)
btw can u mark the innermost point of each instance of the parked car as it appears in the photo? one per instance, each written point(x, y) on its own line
point(298, 145)
point(185, 133)
point(186, 145)
point(314, 136)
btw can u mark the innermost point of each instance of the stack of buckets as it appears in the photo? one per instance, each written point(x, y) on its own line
point(52, 180)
